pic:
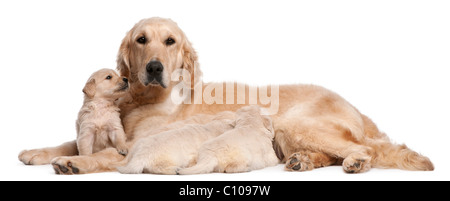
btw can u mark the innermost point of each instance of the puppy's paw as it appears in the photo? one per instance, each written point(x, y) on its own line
point(122, 152)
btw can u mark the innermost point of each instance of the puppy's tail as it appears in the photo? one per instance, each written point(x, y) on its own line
point(206, 165)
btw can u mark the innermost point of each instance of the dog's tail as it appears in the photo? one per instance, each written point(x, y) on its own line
point(390, 155)
point(206, 165)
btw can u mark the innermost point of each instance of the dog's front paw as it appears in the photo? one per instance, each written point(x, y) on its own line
point(34, 157)
point(64, 165)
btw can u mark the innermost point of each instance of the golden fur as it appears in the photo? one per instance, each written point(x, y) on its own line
point(314, 127)
point(99, 125)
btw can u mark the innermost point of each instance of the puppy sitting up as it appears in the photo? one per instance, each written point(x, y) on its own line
point(98, 124)
point(246, 147)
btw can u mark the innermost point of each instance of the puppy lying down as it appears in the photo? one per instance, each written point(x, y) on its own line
point(244, 148)
point(168, 151)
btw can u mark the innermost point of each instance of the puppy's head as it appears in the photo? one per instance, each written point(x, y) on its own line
point(152, 51)
point(105, 83)
point(251, 116)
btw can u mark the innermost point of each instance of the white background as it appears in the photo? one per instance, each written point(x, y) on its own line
point(391, 59)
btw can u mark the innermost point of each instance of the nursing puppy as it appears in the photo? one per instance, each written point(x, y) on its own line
point(98, 124)
point(247, 147)
point(169, 151)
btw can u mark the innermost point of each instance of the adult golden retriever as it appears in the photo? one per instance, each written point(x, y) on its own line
point(314, 127)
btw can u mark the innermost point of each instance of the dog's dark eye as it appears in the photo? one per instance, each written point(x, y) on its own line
point(170, 41)
point(141, 40)
point(108, 77)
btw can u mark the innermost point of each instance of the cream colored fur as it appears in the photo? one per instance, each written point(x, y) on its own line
point(166, 152)
point(246, 147)
point(99, 125)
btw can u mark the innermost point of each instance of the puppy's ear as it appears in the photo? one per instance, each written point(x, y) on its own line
point(190, 63)
point(123, 57)
point(267, 123)
point(232, 123)
point(89, 88)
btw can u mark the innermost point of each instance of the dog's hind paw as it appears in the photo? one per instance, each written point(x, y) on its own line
point(354, 164)
point(299, 162)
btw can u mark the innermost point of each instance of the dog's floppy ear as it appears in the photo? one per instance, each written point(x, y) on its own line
point(123, 57)
point(89, 88)
point(190, 63)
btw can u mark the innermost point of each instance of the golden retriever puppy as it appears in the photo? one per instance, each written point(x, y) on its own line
point(168, 151)
point(99, 125)
point(247, 147)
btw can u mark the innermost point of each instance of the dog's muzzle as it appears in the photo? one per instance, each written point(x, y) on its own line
point(154, 73)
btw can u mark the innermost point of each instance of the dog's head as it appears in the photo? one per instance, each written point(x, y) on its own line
point(106, 83)
point(152, 51)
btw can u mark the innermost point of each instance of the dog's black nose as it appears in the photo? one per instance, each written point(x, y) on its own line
point(125, 79)
point(155, 68)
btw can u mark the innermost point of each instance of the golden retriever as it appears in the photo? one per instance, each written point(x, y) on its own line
point(99, 125)
point(314, 127)
point(171, 150)
point(246, 147)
